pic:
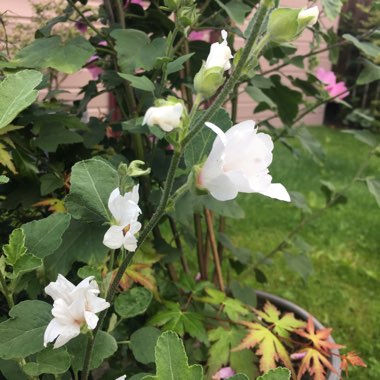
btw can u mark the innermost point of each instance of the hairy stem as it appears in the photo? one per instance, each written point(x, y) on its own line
point(6, 292)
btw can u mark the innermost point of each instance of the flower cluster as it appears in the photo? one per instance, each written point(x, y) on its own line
point(334, 88)
point(125, 211)
point(74, 307)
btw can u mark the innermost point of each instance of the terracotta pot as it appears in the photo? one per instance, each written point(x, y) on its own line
point(286, 305)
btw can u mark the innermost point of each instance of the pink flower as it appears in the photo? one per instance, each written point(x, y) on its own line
point(196, 36)
point(103, 43)
point(94, 70)
point(298, 355)
point(328, 78)
point(111, 134)
point(81, 26)
point(223, 373)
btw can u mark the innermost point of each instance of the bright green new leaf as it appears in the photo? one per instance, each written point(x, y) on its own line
point(236, 9)
point(367, 48)
point(44, 236)
point(24, 264)
point(281, 326)
point(332, 8)
point(269, 347)
point(104, 346)
point(50, 360)
point(17, 91)
point(22, 334)
point(133, 302)
point(92, 182)
point(171, 360)
point(374, 188)
point(143, 342)
point(141, 82)
point(276, 374)
point(67, 57)
point(369, 74)
point(3, 179)
point(173, 318)
point(15, 248)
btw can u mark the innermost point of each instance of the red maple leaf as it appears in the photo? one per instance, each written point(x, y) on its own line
point(316, 363)
point(319, 338)
point(351, 358)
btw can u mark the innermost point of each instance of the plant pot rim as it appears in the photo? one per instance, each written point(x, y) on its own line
point(290, 306)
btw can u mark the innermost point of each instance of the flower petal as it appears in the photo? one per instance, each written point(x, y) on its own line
point(114, 237)
point(277, 191)
point(91, 319)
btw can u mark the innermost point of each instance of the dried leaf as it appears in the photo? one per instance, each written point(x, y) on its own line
point(53, 204)
point(351, 358)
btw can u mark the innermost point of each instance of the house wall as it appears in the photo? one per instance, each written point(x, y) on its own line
point(20, 11)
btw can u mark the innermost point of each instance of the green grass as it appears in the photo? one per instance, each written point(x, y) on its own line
point(343, 289)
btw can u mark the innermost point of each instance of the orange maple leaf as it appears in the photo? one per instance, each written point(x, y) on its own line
point(316, 363)
point(351, 358)
point(319, 338)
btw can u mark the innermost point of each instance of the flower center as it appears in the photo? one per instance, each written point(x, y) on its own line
point(126, 229)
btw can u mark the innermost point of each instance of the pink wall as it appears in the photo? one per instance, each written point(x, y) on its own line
point(20, 11)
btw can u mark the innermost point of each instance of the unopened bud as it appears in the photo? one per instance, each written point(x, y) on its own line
point(134, 169)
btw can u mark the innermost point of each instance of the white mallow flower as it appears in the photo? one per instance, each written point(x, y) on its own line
point(74, 306)
point(311, 15)
point(238, 162)
point(167, 117)
point(125, 211)
point(220, 54)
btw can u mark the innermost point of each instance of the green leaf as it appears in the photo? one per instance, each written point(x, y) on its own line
point(310, 144)
point(276, 374)
point(44, 236)
point(369, 74)
point(50, 137)
point(239, 376)
point(11, 370)
point(236, 9)
point(177, 64)
point(26, 263)
point(22, 335)
point(135, 50)
point(3, 179)
point(104, 346)
point(364, 136)
point(200, 146)
point(17, 91)
point(332, 8)
point(133, 302)
point(367, 48)
point(50, 182)
point(92, 182)
point(50, 360)
point(15, 248)
point(143, 342)
point(171, 360)
point(300, 264)
point(67, 57)
point(286, 99)
point(245, 294)
point(141, 82)
point(258, 96)
point(173, 318)
point(80, 242)
point(374, 188)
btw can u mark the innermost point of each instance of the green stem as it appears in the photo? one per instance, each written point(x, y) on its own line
point(87, 358)
point(198, 124)
point(231, 82)
point(6, 292)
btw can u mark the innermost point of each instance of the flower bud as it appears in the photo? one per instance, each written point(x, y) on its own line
point(308, 17)
point(173, 5)
point(167, 115)
point(134, 169)
point(187, 16)
point(210, 77)
point(286, 24)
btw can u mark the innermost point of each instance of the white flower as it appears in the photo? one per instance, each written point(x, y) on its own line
point(125, 211)
point(311, 15)
point(167, 117)
point(73, 307)
point(122, 377)
point(239, 162)
point(220, 54)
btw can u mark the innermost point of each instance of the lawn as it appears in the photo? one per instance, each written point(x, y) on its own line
point(343, 287)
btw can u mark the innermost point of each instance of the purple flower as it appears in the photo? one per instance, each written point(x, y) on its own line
point(94, 70)
point(81, 26)
point(224, 373)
